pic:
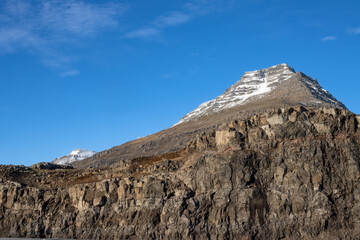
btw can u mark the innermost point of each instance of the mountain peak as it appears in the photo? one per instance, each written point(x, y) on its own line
point(279, 82)
point(78, 151)
point(283, 67)
point(75, 155)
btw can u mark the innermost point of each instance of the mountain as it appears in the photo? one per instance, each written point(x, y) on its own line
point(257, 91)
point(75, 155)
point(274, 157)
point(276, 82)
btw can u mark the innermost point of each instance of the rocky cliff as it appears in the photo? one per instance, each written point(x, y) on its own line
point(284, 173)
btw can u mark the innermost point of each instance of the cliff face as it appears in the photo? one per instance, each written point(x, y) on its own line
point(287, 173)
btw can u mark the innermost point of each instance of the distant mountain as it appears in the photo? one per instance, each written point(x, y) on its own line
point(75, 155)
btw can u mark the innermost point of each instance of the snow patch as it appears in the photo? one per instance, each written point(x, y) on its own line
point(75, 155)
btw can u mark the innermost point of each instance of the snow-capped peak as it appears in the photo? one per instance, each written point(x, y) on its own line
point(280, 80)
point(252, 84)
point(80, 151)
point(75, 155)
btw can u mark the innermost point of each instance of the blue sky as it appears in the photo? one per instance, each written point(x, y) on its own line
point(95, 74)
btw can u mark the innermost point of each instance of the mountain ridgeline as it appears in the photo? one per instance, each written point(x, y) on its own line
point(274, 157)
point(256, 92)
point(279, 82)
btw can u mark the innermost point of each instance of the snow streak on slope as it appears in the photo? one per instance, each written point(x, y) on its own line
point(254, 84)
point(75, 155)
point(320, 93)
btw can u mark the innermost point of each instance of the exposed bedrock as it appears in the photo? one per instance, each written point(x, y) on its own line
point(286, 174)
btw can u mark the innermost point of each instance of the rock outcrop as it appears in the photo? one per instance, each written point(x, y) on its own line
point(49, 166)
point(287, 173)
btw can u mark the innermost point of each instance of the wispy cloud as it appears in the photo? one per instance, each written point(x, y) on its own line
point(204, 7)
point(161, 22)
point(79, 17)
point(354, 30)
point(188, 12)
point(12, 39)
point(70, 73)
point(147, 32)
point(329, 38)
point(42, 27)
point(201, 7)
point(168, 75)
point(172, 19)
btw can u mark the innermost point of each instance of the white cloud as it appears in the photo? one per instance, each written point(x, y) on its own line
point(355, 30)
point(70, 73)
point(204, 7)
point(147, 32)
point(12, 39)
point(17, 7)
point(172, 19)
point(161, 22)
point(79, 17)
point(328, 38)
point(43, 27)
point(188, 11)
point(199, 7)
